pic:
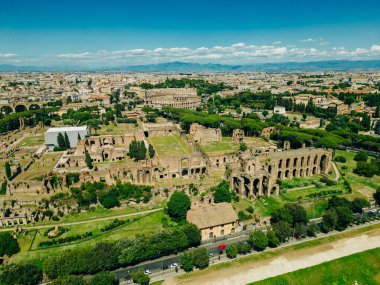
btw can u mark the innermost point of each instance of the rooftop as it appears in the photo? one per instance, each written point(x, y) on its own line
point(66, 129)
point(210, 215)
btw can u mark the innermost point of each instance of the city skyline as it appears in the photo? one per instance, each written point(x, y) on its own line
point(124, 33)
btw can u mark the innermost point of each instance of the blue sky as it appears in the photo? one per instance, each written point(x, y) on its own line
point(105, 33)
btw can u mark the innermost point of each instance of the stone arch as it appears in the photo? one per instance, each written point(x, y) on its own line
point(279, 175)
point(34, 107)
point(308, 160)
point(203, 170)
point(265, 184)
point(20, 108)
point(287, 173)
point(287, 163)
point(307, 172)
point(314, 170)
point(323, 163)
point(315, 159)
point(302, 161)
point(256, 185)
point(294, 172)
point(295, 161)
point(247, 190)
point(301, 172)
point(6, 110)
point(185, 172)
point(280, 163)
point(146, 134)
point(270, 169)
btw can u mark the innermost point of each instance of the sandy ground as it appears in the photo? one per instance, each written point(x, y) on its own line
point(288, 262)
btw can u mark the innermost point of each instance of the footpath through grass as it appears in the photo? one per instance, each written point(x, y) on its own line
point(360, 268)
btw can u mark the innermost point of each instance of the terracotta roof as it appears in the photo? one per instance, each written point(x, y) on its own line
point(211, 215)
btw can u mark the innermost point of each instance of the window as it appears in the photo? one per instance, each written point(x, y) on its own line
point(222, 232)
point(211, 235)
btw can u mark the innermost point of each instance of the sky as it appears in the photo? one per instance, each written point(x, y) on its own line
point(118, 33)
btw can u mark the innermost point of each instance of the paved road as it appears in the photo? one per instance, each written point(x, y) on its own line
point(155, 266)
point(83, 222)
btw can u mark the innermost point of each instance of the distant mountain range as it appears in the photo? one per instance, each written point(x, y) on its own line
point(188, 67)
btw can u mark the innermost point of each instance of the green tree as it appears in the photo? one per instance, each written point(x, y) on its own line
point(67, 141)
point(3, 189)
point(152, 152)
point(329, 220)
point(345, 217)
point(178, 205)
point(186, 262)
point(69, 280)
point(243, 146)
point(283, 230)
point(17, 274)
point(8, 171)
point(104, 278)
point(60, 140)
point(200, 257)
point(376, 196)
point(273, 240)
point(258, 240)
point(359, 203)
point(88, 160)
point(361, 156)
point(222, 193)
point(231, 251)
point(8, 245)
point(140, 277)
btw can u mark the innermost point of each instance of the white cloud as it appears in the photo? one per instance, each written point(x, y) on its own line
point(309, 40)
point(276, 43)
point(238, 45)
point(7, 54)
point(375, 48)
point(74, 55)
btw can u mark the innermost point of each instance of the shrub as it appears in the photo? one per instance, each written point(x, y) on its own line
point(258, 240)
point(231, 251)
point(340, 158)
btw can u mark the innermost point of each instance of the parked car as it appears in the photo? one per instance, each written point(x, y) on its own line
point(147, 271)
point(211, 254)
point(221, 247)
point(174, 265)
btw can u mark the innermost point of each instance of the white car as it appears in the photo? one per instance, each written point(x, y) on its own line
point(174, 265)
point(147, 271)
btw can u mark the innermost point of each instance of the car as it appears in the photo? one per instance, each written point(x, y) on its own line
point(211, 254)
point(174, 265)
point(221, 247)
point(147, 271)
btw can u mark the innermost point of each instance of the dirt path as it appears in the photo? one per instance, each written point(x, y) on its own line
point(336, 170)
point(241, 274)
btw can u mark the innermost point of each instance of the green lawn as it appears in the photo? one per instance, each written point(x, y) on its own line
point(32, 141)
point(265, 205)
point(360, 268)
point(170, 145)
point(120, 129)
point(148, 223)
point(358, 183)
point(294, 195)
point(225, 145)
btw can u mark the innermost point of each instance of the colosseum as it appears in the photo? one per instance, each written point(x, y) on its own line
point(185, 98)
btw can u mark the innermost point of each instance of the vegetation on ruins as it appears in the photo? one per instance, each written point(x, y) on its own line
point(221, 192)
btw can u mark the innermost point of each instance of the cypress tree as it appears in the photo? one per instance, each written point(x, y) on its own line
point(8, 170)
point(67, 141)
point(88, 160)
point(152, 152)
point(60, 140)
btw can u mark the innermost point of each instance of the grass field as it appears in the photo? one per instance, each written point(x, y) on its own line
point(358, 183)
point(120, 129)
point(265, 205)
point(40, 167)
point(224, 146)
point(32, 141)
point(170, 145)
point(147, 223)
point(360, 268)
